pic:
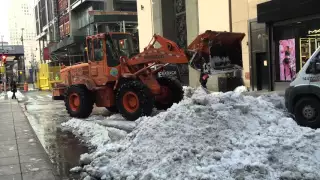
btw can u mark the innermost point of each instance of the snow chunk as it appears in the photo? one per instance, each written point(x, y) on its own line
point(76, 169)
point(241, 89)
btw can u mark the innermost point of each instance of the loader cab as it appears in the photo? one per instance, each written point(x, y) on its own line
point(104, 51)
point(125, 44)
point(103, 58)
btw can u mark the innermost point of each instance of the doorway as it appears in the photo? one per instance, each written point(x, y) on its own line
point(262, 65)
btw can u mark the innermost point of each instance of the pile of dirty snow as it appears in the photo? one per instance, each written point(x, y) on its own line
point(206, 136)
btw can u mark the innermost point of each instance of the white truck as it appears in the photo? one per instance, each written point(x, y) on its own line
point(302, 98)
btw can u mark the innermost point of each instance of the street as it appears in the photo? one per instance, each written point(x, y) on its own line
point(63, 148)
point(45, 117)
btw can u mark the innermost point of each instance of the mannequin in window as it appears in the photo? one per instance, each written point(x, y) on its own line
point(286, 64)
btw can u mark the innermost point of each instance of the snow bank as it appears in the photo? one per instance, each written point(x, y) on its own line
point(215, 136)
point(96, 135)
point(19, 95)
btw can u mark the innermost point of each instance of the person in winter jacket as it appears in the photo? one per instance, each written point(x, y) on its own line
point(14, 89)
point(205, 70)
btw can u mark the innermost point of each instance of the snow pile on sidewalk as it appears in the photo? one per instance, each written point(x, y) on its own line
point(215, 136)
point(19, 95)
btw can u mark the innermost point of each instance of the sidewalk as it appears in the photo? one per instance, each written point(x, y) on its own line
point(21, 155)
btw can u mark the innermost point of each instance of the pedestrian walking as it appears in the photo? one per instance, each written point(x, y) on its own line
point(14, 89)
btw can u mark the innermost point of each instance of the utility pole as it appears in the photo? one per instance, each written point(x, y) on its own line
point(23, 58)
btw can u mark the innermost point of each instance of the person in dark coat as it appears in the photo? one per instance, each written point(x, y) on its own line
point(14, 89)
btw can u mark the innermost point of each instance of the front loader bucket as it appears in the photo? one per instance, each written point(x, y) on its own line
point(225, 38)
point(221, 50)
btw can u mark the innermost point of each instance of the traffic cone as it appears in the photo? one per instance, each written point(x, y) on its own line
point(25, 86)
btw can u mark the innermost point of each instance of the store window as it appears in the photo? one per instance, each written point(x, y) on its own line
point(294, 45)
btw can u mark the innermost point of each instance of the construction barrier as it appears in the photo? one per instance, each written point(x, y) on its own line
point(2, 70)
point(44, 77)
point(47, 76)
point(54, 75)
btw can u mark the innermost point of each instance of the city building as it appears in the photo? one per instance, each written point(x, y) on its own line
point(22, 30)
point(291, 33)
point(62, 25)
point(46, 24)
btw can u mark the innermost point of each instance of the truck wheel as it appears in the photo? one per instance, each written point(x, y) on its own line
point(307, 112)
point(171, 92)
point(134, 100)
point(78, 102)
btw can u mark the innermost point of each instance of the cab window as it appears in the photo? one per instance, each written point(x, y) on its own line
point(112, 56)
point(311, 67)
point(89, 50)
point(98, 50)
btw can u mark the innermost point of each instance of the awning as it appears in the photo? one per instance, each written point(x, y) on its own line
point(279, 10)
point(66, 42)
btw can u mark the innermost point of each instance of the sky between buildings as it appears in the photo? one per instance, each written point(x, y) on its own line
point(4, 4)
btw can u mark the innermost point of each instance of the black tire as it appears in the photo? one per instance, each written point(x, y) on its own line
point(85, 101)
point(112, 109)
point(305, 107)
point(144, 97)
point(175, 94)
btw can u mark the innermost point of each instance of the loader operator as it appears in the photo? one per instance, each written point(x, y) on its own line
point(205, 66)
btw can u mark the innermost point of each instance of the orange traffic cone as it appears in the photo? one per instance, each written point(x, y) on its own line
point(25, 86)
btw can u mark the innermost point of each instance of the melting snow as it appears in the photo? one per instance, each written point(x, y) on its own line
point(206, 136)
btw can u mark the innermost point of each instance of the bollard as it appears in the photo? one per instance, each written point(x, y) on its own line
point(25, 86)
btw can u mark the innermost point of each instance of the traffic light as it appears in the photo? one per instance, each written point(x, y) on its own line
point(121, 43)
point(4, 59)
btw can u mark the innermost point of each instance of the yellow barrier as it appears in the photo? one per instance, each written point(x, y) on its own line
point(2, 70)
point(44, 77)
point(47, 76)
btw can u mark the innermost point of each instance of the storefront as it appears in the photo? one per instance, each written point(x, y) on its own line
point(292, 30)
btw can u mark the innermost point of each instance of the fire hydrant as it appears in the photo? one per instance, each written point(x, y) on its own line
point(25, 86)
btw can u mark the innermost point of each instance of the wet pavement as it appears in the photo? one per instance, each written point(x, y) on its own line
point(21, 154)
point(45, 117)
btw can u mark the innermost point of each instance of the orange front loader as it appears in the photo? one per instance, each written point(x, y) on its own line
point(120, 84)
point(126, 85)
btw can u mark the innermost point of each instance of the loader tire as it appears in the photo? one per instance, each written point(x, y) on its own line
point(78, 101)
point(171, 92)
point(134, 100)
